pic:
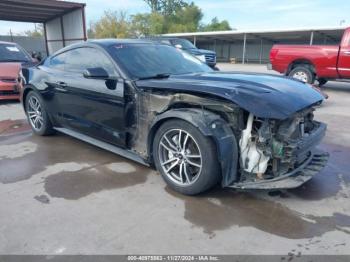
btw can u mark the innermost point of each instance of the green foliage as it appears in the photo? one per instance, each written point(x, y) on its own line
point(215, 25)
point(165, 7)
point(185, 19)
point(166, 16)
point(114, 24)
point(147, 24)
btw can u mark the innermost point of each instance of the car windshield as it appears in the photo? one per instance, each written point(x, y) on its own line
point(185, 44)
point(155, 60)
point(13, 53)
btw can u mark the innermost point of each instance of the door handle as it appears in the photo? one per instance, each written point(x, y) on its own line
point(61, 84)
point(346, 52)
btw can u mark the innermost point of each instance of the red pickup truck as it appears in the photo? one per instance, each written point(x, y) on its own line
point(313, 62)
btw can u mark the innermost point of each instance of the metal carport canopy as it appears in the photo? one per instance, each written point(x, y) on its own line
point(271, 36)
point(64, 22)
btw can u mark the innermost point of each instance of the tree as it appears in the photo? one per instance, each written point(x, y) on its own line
point(215, 25)
point(37, 32)
point(167, 16)
point(172, 16)
point(165, 7)
point(112, 25)
point(154, 5)
point(185, 19)
point(147, 24)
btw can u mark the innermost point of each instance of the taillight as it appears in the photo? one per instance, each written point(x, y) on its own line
point(273, 54)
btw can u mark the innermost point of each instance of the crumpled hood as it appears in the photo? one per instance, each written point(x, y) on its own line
point(266, 96)
point(9, 70)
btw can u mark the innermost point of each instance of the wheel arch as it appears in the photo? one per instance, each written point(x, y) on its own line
point(301, 61)
point(31, 88)
point(211, 125)
point(26, 90)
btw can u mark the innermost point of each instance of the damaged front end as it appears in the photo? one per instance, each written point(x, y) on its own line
point(277, 154)
point(253, 152)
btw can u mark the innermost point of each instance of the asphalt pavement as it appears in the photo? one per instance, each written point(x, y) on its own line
point(59, 195)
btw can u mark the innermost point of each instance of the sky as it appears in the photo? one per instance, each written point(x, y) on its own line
point(241, 14)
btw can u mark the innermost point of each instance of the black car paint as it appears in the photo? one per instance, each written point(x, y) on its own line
point(127, 115)
point(265, 96)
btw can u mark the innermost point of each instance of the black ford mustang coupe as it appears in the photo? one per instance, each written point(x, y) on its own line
point(162, 107)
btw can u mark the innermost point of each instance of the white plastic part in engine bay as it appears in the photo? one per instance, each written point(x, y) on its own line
point(253, 159)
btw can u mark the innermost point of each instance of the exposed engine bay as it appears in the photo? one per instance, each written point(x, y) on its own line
point(272, 148)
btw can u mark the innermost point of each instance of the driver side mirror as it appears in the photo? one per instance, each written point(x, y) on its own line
point(96, 73)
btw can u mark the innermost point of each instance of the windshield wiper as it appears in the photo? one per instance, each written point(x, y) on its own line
point(157, 76)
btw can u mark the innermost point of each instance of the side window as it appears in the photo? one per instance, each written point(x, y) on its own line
point(79, 59)
point(58, 61)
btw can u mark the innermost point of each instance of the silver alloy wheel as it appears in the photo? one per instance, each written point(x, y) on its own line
point(180, 157)
point(300, 75)
point(35, 113)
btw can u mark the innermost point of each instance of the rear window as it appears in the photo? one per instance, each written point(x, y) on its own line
point(13, 53)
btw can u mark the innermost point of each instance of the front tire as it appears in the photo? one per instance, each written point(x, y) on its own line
point(303, 74)
point(37, 115)
point(185, 158)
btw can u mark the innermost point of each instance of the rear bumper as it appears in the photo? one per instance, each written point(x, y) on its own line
point(313, 165)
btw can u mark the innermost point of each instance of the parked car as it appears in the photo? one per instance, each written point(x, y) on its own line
point(160, 106)
point(206, 56)
point(12, 58)
point(313, 62)
point(10, 81)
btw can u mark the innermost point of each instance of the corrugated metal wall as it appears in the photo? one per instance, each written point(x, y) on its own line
point(256, 51)
point(65, 30)
point(30, 44)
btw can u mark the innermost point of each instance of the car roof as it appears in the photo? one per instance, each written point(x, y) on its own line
point(113, 41)
point(105, 43)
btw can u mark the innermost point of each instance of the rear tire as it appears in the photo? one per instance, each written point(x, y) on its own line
point(189, 166)
point(37, 115)
point(303, 73)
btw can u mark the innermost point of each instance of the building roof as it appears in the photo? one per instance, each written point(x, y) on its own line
point(263, 31)
point(273, 35)
point(35, 11)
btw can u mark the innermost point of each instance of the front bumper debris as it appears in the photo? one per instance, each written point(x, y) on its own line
point(313, 165)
